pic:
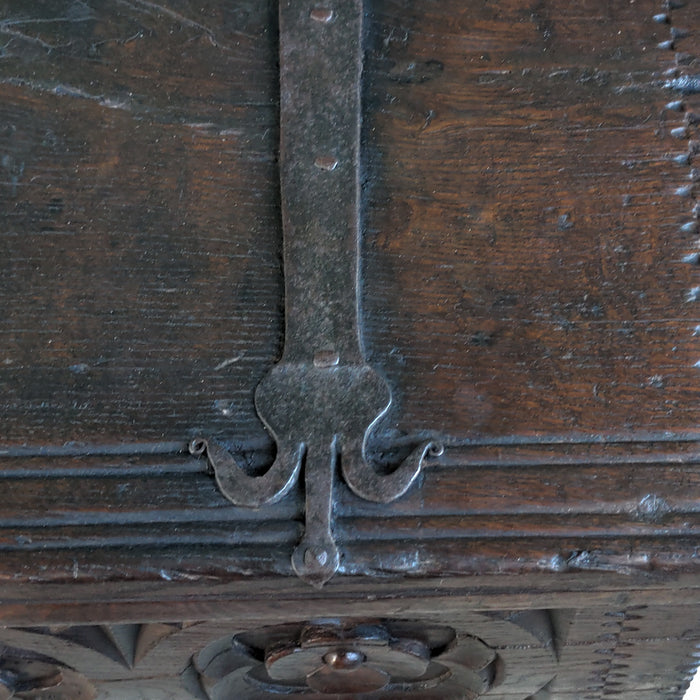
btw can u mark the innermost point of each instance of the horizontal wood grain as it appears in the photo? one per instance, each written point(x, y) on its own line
point(524, 239)
point(529, 291)
point(535, 506)
point(138, 173)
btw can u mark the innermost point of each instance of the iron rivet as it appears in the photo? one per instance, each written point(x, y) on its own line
point(322, 14)
point(344, 659)
point(326, 162)
point(197, 447)
point(315, 556)
point(436, 449)
point(326, 358)
point(679, 132)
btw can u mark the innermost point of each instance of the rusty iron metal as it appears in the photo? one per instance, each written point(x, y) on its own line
point(322, 399)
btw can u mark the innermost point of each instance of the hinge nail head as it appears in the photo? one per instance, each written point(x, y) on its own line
point(326, 162)
point(322, 14)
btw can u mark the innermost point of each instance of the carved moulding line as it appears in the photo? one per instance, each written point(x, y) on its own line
point(322, 399)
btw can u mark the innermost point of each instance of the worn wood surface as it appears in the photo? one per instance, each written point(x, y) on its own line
point(625, 648)
point(557, 508)
point(524, 243)
point(141, 243)
point(606, 629)
point(524, 246)
point(525, 288)
point(530, 292)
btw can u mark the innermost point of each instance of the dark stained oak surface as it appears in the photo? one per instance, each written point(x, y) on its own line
point(141, 279)
point(528, 279)
point(524, 237)
point(530, 291)
point(524, 245)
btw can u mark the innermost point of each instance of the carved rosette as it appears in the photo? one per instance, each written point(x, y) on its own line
point(386, 659)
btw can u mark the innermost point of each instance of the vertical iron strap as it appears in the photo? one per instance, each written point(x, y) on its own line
point(320, 112)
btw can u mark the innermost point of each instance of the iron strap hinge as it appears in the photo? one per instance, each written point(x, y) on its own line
point(322, 399)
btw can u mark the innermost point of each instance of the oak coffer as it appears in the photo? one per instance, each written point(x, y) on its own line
point(349, 349)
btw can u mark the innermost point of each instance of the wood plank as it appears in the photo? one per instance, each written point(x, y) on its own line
point(524, 246)
point(139, 172)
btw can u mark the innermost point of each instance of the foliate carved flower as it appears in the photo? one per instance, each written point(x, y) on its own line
point(389, 659)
